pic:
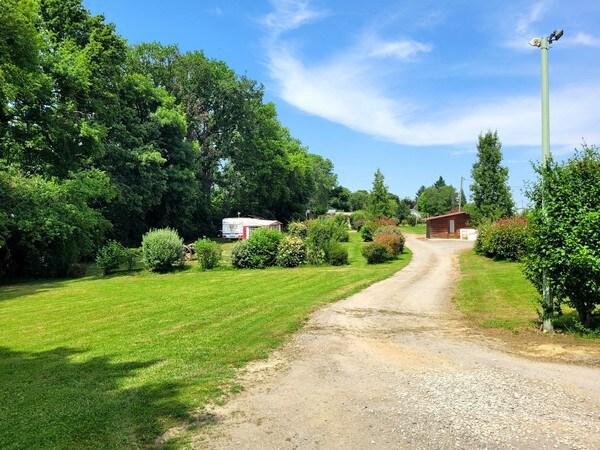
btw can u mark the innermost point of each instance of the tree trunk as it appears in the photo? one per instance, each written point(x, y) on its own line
point(585, 316)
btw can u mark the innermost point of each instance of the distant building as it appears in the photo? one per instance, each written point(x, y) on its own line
point(242, 227)
point(447, 226)
point(415, 213)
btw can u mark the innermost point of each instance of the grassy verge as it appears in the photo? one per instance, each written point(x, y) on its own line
point(115, 361)
point(495, 294)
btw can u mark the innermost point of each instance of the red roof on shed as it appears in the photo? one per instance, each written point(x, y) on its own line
point(456, 213)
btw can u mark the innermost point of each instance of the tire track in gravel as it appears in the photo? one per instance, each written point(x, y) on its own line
point(393, 367)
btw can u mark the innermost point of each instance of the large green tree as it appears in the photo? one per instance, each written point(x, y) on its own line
point(565, 234)
point(245, 160)
point(152, 137)
point(358, 200)
point(46, 225)
point(379, 202)
point(492, 199)
point(435, 201)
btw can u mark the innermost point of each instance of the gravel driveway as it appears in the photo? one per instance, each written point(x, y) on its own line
point(394, 367)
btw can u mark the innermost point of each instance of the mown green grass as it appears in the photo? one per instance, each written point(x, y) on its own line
point(495, 294)
point(114, 361)
point(419, 229)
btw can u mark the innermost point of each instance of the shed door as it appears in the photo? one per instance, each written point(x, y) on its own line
point(451, 226)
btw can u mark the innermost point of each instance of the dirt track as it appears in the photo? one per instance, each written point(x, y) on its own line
point(394, 367)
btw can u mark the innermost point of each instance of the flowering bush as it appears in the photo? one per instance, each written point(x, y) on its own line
point(291, 252)
point(384, 221)
point(394, 243)
point(297, 229)
point(370, 229)
point(504, 239)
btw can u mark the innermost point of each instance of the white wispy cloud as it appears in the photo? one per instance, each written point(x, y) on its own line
point(347, 89)
point(585, 39)
point(399, 49)
point(288, 15)
point(534, 14)
point(524, 30)
point(341, 93)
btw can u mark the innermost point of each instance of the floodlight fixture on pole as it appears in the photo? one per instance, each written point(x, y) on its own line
point(543, 43)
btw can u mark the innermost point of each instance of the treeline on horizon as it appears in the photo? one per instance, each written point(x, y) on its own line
point(102, 140)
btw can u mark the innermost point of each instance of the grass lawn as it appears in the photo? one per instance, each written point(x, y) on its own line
point(495, 294)
point(419, 229)
point(114, 361)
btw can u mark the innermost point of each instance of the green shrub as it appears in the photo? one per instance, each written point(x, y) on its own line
point(297, 229)
point(393, 242)
point(564, 238)
point(323, 233)
point(110, 257)
point(357, 220)
point(337, 255)
point(504, 239)
point(240, 258)
point(161, 249)
point(366, 232)
point(262, 247)
point(291, 252)
point(482, 244)
point(208, 253)
point(130, 257)
point(374, 253)
point(341, 232)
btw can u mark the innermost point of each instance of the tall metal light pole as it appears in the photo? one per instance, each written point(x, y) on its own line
point(543, 43)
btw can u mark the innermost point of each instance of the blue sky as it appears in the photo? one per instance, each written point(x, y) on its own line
point(407, 86)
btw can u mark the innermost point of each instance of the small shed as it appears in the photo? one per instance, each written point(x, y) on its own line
point(446, 226)
point(242, 227)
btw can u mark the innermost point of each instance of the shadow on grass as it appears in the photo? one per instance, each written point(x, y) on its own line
point(49, 401)
point(11, 289)
point(569, 322)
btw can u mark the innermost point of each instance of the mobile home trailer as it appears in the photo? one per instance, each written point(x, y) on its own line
point(242, 227)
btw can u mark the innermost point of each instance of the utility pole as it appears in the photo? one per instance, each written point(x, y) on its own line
point(460, 194)
point(543, 44)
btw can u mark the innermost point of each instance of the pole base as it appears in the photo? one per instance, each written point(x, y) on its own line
point(547, 326)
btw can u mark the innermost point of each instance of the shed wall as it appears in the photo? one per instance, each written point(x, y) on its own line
point(440, 228)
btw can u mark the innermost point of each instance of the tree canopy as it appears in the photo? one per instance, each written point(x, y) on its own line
point(379, 202)
point(131, 138)
point(437, 199)
point(492, 199)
